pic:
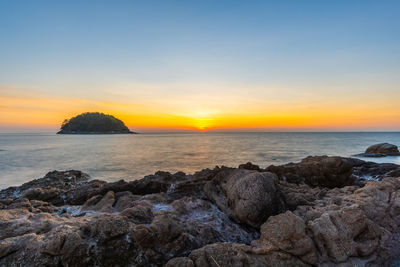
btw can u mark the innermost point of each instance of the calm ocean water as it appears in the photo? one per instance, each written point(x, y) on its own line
point(112, 157)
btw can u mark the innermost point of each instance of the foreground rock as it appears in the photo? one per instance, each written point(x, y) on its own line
point(317, 171)
point(373, 171)
point(247, 197)
point(351, 226)
point(315, 212)
point(381, 150)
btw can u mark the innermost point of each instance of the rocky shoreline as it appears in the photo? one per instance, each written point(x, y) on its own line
point(322, 211)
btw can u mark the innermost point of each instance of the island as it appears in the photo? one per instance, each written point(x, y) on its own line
point(94, 123)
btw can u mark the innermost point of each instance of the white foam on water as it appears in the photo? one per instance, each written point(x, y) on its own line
point(171, 188)
point(161, 207)
point(16, 193)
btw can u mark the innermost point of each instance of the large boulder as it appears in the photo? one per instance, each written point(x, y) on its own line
point(248, 197)
point(317, 171)
point(384, 148)
point(355, 225)
point(287, 232)
point(381, 150)
point(344, 233)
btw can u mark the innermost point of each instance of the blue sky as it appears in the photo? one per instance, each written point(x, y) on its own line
point(141, 50)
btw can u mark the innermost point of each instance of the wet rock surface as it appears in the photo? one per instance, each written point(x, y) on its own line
point(365, 170)
point(321, 211)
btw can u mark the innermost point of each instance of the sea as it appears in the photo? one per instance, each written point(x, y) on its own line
point(27, 156)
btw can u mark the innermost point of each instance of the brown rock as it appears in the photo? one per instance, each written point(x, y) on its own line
point(62, 241)
point(180, 262)
point(345, 233)
point(383, 148)
point(49, 188)
point(317, 171)
point(249, 166)
point(125, 200)
point(177, 223)
point(231, 254)
point(253, 197)
point(235, 191)
point(104, 227)
point(287, 232)
point(100, 203)
point(139, 214)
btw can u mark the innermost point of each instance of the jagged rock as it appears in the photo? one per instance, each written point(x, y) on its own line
point(49, 188)
point(344, 233)
point(373, 171)
point(287, 232)
point(300, 194)
point(249, 166)
point(104, 227)
point(317, 171)
point(231, 254)
point(100, 203)
point(139, 214)
point(185, 220)
point(124, 200)
point(192, 223)
point(180, 262)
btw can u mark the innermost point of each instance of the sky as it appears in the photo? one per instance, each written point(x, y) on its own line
point(202, 65)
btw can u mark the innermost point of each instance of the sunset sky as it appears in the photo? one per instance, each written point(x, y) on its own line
point(202, 65)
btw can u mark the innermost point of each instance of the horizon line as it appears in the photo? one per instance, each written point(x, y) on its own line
point(29, 131)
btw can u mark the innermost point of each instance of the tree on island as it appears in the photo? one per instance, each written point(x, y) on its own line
point(94, 123)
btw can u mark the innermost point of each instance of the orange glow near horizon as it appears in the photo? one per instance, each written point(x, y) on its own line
point(46, 112)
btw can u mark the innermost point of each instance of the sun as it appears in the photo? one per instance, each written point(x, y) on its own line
point(203, 120)
point(202, 123)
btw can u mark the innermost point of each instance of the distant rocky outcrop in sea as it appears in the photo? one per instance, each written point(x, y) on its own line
point(323, 211)
point(380, 150)
point(94, 123)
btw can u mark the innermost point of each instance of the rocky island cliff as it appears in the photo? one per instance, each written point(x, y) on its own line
point(94, 123)
point(318, 212)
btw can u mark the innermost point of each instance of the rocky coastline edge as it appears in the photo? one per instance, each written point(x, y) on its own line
point(321, 211)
